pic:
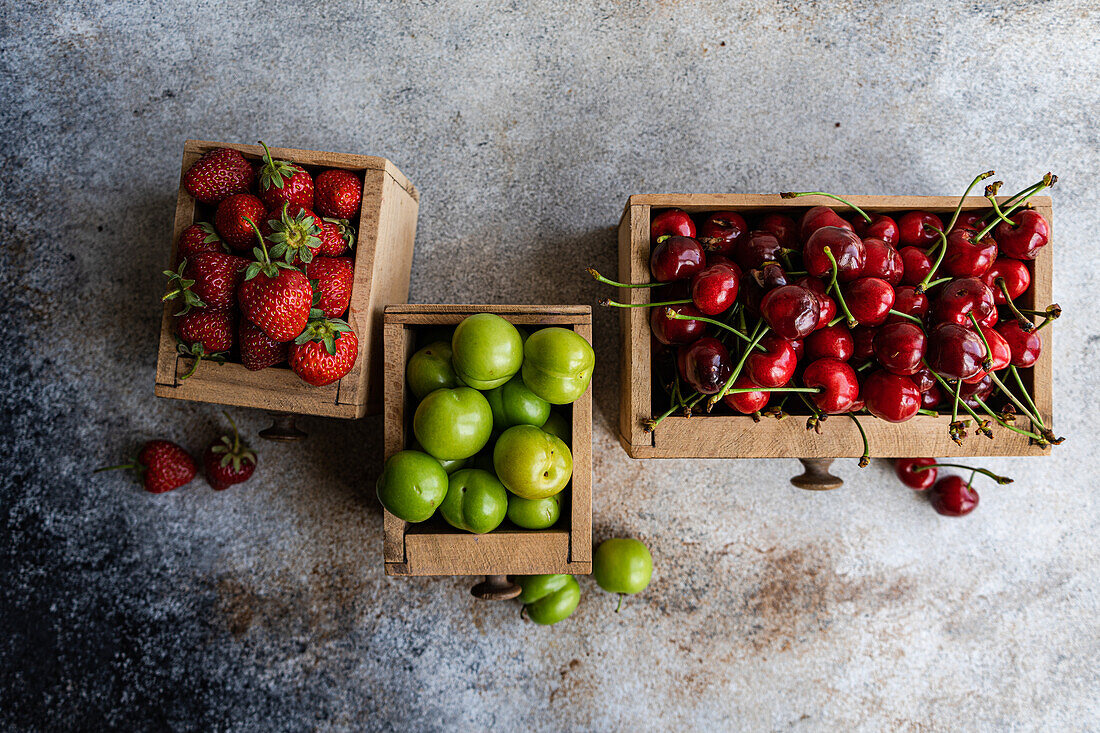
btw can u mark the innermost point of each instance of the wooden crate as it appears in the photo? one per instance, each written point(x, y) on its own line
point(383, 259)
point(736, 436)
point(436, 548)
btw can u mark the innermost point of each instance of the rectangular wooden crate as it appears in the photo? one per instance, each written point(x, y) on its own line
point(436, 548)
point(383, 259)
point(737, 436)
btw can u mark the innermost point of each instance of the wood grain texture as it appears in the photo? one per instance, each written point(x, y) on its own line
point(733, 436)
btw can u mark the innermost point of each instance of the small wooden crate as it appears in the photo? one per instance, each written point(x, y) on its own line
point(436, 548)
point(383, 259)
point(736, 436)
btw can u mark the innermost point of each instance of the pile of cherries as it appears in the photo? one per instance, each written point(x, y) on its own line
point(863, 313)
point(951, 496)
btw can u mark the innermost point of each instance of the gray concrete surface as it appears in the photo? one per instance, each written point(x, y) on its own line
point(525, 126)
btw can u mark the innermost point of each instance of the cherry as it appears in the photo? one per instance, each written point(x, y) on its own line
point(769, 276)
point(953, 497)
point(773, 367)
point(960, 298)
point(908, 301)
point(880, 227)
point(891, 397)
point(930, 398)
point(882, 261)
point(705, 365)
point(837, 381)
point(745, 402)
point(912, 231)
point(847, 249)
point(756, 248)
point(674, 222)
point(869, 300)
point(790, 311)
point(828, 311)
point(999, 351)
point(954, 351)
point(968, 220)
point(722, 231)
point(991, 320)
point(714, 288)
point(783, 227)
point(924, 379)
point(915, 265)
point(716, 258)
point(818, 217)
point(674, 330)
point(1024, 346)
point(899, 348)
point(967, 257)
point(1015, 274)
point(1023, 240)
point(755, 283)
point(920, 480)
point(834, 342)
point(676, 258)
point(799, 346)
point(862, 342)
point(980, 390)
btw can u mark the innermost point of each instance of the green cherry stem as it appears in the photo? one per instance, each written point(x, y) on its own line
point(746, 390)
point(927, 281)
point(1025, 322)
point(987, 364)
point(997, 211)
point(906, 316)
point(669, 313)
point(930, 413)
point(1012, 200)
point(1031, 403)
point(984, 471)
point(600, 278)
point(616, 304)
point(943, 383)
point(1048, 180)
point(794, 195)
point(865, 459)
point(955, 405)
point(852, 322)
point(1000, 421)
point(758, 333)
point(958, 209)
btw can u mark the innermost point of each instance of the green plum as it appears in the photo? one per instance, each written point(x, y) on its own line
point(559, 425)
point(450, 466)
point(548, 599)
point(534, 513)
point(557, 364)
point(531, 463)
point(430, 369)
point(514, 404)
point(453, 423)
point(622, 565)
point(412, 485)
point(476, 501)
point(486, 351)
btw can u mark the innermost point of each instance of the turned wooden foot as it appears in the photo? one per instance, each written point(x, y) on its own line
point(816, 476)
point(282, 428)
point(496, 588)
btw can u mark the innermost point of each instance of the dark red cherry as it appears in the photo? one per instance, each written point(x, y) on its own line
point(770, 276)
point(907, 300)
point(834, 342)
point(672, 222)
point(745, 402)
point(915, 265)
point(1024, 240)
point(882, 261)
point(912, 231)
point(722, 231)
point(930, 398)
point(967, 257)
point(673, 330)
point(846, 247)
point(705, 365)
point(714, 288)
point(890, 397)
point(1016, 276)
point(969, 220)
point(773, 367)
point(828, 311)
point(863, 342)
point(959, 298)
point(790, 311)
point(818, 217)
point(954, 351)
point(676, 258)
point(953, 497)
point(837, 381)
point(869, 299)
point(813, 284)
point(715, 258)
point(783, 227)
point(899, 348)
point(916, 480)
point(1024, 347)
point(880, 227)
point(999, 350)
point(971, 392)
point(799, 346)
point(755, 249)
point(923, 379)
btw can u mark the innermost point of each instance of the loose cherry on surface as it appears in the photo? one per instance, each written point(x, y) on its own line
point(1024, 240)
point(705, 365)
point(756, 248)
point(745, 402)
point(959, 298)
point(714, 288)
point(846, 248)
point(837, 381)
point(966, 256)
point(900, 347)
point(783, 227)
point(674, 330)
point(882, 261)
point(818, 217)
point(676, 258)
point(908, 301)
point(920, 480)
point(834, 342)
point(674, 222)
point(953, 497)
point(880, 227)
point(912, 231)
point(773, 367)
point(999, 350)
point(1015, 274)
point(915, 265)
point(790, 311)
point(890, 397)
point(954, 351)
point(722, 231)
point(869, 300)
point(863, 342)
point(1024, 347)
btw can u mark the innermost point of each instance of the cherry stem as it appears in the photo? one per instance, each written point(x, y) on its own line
point(1024, 321)
point(987, 361)
point(852, 322)
point(1012, 199)
point(669, 313)
point(945, 385)
point(940, 281)
point(865, 459)
point(958, 209)
point(758, 333)
point(606, 301)
point(930, 413)
point(1000, 421)
point(1031, 403)
point(746, 390)
point(865, 365)
point(906, 316)
point(955, 406)
point(984, 471)
point(997, 211)
point(987, 364)
point(1048, 180)
point(600, 278)
point(793, 195)
point(926, 282)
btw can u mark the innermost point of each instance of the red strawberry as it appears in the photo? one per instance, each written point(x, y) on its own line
point(334, 276)
point(228, 461)
point(258, 351)
point(293, 238)
point(337, 236)
point(325, 352)
point(231, 219)
point(204, 334)
point(199, 237)
point(218, 174)
point(283, 182)
point(338, 194)
point(208, 280)
point(274, 295)
point(161, 465)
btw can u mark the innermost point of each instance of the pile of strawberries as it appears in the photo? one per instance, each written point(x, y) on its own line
point(268, 281)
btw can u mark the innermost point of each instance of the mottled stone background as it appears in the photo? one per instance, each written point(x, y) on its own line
point(525, 126)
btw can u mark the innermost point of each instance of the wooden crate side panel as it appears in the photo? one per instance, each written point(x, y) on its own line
point(278, 390)
point(635, 370)
point(398, 346)
point(494, 553)
point(580, 540)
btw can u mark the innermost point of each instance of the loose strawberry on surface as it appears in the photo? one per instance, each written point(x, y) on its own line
point(338, 194)
point(258, 350)
point(325, 351)
point(161, 465)
point(198, 238)
point(207, 280)
point(218, 174)
point(337, 236)
point(334, 277)
point(228, 460)
point(274, 295)
point(232, 217)
point(282, 182)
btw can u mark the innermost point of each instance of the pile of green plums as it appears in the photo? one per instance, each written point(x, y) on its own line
point(489, 444)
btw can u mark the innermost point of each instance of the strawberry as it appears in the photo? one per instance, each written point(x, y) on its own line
point(338, 193)
point(204, 334)
point(295, 238)
point(228, 461)
point(337, 236)
point(199, 237)
point(283, 182)
point(231, 219)
point(208, 280)
point(325, 352)
point(274, 295)
point(218, 174)
point(334, 276)
point(162, 466)
point(258, 351)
